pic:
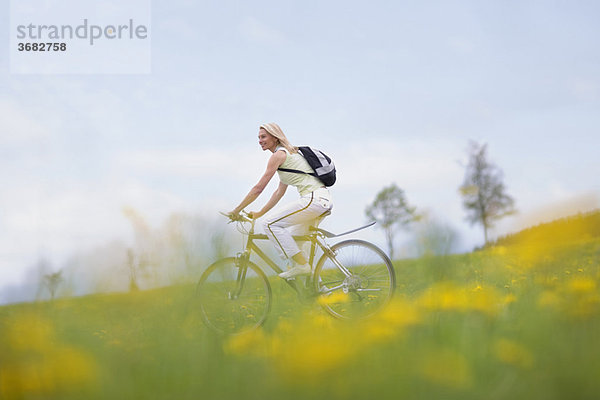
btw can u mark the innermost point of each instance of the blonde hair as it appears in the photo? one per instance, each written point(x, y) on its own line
point(275, 130)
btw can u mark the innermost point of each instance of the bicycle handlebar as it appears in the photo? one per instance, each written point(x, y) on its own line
point(243, 216)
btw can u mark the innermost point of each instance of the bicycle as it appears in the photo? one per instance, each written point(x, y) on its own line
point(352, 279)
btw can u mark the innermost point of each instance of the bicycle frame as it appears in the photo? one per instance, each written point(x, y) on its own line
point(315, 240)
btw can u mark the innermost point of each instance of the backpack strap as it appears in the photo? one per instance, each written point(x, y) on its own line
point(297, 171)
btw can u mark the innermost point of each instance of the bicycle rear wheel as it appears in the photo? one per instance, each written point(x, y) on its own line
point(357, 282)
point(234, 296)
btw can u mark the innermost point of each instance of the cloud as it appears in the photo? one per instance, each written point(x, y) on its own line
point(584, 89)
point(417, 164)
point(17, 125)
point(211, 163)
point(256, 31)
point(460, 44)
point(65, 107)
point(179, 28)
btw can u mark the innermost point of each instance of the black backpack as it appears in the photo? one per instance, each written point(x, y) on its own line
point(323, 167)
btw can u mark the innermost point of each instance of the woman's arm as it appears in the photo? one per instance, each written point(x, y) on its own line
point(277, 195)
point(274, 162)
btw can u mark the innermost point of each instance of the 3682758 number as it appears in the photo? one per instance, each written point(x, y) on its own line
point(43, 46)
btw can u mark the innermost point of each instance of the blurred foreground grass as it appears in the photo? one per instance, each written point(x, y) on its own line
point(520, 320)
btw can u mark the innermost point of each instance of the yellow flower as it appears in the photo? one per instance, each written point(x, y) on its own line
point(305, 350)
point(448, 296)
point(378, 332)
point(399, 313)
point(29, 332)
point(334, 298)
point(447, 368)
point(36, 364)
point(498, 250)
point(549, 299)
point(509, 298)
point(513, 353)
point(252, 342)
point(582, 285)
point(444, 296)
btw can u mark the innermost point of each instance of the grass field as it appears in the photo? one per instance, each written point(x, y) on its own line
point(520, 320)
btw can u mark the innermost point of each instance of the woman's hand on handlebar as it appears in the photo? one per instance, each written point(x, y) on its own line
point(234, 216)
point(255, 214)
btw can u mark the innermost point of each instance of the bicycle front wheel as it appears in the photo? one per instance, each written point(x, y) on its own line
point(234, 296)
point(356, 282)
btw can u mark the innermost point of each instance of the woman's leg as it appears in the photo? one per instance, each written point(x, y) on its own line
point(278, 224)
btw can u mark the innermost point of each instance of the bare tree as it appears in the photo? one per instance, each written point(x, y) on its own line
point(484, 194)
point(133, 286)
point(434, 237)
point(52, 281)
point(391, 211)
point(146, 249)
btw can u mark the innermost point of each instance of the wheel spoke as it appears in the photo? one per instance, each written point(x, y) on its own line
point(229, 305)
point(370, 285)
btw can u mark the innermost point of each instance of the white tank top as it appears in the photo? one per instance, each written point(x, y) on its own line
point(303, 182)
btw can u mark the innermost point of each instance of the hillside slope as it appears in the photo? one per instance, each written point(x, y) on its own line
point(519, 320)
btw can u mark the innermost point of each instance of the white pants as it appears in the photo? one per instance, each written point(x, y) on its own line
point(294, 219)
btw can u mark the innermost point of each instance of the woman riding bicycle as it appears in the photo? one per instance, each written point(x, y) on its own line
point(294, 218)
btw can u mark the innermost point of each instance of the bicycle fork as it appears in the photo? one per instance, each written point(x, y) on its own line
point(241, 261)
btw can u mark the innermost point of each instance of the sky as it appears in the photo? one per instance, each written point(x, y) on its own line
point(393, 91)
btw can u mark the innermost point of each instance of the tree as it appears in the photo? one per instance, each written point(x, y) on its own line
point(391, 211)
point(52, 281)
point(133, 286)
point(484, 194)
point(434, 237)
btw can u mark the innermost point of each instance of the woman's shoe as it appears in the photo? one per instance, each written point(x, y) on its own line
point(295, 271)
